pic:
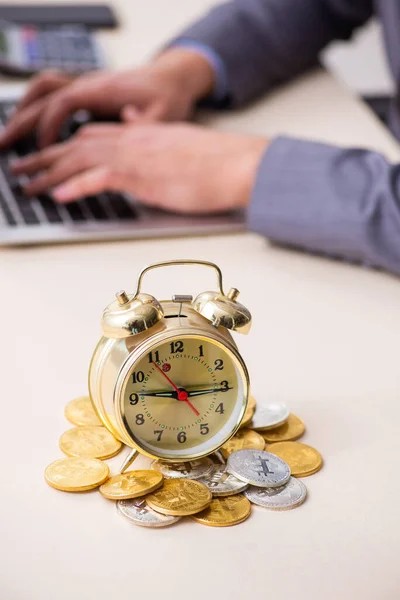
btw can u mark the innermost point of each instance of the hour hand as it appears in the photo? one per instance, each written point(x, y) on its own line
point(169, 394)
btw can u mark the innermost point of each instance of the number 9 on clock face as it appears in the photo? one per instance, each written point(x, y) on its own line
point(183, 398)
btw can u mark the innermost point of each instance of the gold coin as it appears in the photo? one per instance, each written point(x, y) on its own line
point(245, 438)
point(81, 412)
point(292, 429)
point(224, 512)
point(180, 497)
point(251, 403)
point(89, 442)
point(131, 484)
point(247, 417)
point(303, 460)
point(76, 474)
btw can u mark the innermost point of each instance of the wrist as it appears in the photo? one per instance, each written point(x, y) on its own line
point(186, 69)
point(247, 168)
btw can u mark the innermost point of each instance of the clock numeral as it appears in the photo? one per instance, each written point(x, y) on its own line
point(201, 353)
point(219, 364)
point(133, 399)
point(139, 419)
point(138, 377)
point(220, 408)
point(224, 386)
point(176, 346)
point(181, 437)
point(204, 429)
point(155, 357)
point(158, 433)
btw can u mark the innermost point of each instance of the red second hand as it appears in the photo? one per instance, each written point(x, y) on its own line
point(182, 394)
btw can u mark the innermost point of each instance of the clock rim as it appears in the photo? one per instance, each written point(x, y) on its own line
point(145, 348)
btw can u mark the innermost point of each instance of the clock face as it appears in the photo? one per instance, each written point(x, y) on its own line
point(184, 398)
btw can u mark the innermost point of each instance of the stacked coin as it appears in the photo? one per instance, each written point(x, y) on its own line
point(273, 485)
point(215, 491)
point(86, 445)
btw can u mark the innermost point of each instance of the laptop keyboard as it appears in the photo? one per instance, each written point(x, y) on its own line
point(16, 210)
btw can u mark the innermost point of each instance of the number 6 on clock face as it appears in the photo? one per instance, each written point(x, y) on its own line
point(183, 397)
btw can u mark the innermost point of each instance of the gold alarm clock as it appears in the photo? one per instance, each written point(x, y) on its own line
point(167, 378)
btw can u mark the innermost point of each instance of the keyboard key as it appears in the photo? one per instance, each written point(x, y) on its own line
point(96, 208)
point(26, 209)
point(50, 209)
point(75, 211)
point(6, 211)
point(121, 207)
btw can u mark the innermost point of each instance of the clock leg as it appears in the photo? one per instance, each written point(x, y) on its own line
point(219, 456)
point(128, 460)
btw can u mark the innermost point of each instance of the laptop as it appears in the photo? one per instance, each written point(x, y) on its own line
point(107, 216)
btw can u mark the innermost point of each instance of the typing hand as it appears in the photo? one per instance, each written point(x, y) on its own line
point(177, 167)
point(165, 90)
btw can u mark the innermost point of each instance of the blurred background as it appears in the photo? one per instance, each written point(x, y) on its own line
point(361, 63)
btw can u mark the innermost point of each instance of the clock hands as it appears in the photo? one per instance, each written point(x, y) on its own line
point(190, 393)
point(182, 394)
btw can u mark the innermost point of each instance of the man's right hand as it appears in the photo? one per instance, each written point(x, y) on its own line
point(165, 90)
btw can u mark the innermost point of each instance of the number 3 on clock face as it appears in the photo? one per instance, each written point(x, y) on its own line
point(183, 398)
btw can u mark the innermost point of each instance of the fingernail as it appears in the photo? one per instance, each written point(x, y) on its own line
point(61, 193)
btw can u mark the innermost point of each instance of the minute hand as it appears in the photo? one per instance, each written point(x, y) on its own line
point(210, 391)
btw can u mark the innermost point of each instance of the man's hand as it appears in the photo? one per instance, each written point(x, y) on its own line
point(183, 168)
point(165, 90)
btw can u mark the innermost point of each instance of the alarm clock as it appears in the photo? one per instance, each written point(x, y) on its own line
point(167, 378)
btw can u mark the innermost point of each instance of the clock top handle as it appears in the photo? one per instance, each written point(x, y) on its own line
point(183, 262)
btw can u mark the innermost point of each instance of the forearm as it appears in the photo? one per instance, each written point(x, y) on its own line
point(340, 202)
point(264, 42)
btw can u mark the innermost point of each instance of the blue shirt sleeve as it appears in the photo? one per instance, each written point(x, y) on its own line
point(221, 86)
point(341, 202)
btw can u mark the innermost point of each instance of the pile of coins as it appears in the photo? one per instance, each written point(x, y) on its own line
point(260, 465)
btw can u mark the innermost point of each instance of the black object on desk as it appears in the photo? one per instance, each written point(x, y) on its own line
point(28, 49)
point(90, 15)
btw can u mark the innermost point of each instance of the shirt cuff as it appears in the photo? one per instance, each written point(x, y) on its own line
point(220, 92)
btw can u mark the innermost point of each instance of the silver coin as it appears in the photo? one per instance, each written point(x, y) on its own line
point(138, 512)
point(222, 483)
point(258, 468)
point(269, 416)
point(280, 498)
point(193, 469)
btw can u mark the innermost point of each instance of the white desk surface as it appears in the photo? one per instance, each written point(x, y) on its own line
point(325, 340)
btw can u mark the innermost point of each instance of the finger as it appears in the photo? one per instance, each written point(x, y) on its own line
point(39, 160)
point(42, 85)
point(21, 124)
point(130, 114)
point(58, 107)
point(155, 112)
point(60, 172)
point(91, 182)
point(94, 130)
